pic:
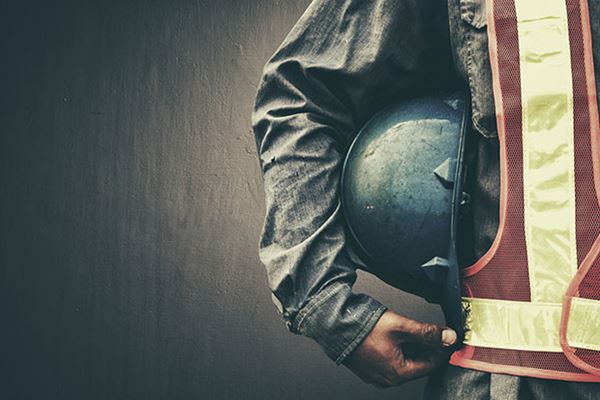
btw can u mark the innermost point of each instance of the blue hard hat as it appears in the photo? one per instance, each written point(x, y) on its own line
point(402, 191)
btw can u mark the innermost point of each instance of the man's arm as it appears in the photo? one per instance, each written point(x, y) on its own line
point(343, 61)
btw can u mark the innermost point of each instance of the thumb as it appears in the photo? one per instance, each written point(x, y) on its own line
point(433, 335)
point(449, 337)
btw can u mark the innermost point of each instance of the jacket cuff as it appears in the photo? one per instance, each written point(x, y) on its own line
point(338, 320)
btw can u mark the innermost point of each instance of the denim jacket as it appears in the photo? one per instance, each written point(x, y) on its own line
point(343, 61)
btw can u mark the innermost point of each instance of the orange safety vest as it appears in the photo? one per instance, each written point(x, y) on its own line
point(532, 302)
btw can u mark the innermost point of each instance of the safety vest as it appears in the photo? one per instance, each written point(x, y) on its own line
point(532, 302)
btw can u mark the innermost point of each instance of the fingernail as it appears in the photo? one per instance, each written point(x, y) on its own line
point(448, 337)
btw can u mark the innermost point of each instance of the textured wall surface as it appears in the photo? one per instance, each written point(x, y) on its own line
point(131, 204)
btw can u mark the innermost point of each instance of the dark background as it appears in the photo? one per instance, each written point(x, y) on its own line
point(131, 204)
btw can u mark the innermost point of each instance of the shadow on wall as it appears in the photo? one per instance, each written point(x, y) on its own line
point(131, 208)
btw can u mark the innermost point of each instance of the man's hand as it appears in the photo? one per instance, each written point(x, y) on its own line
point(399, 349)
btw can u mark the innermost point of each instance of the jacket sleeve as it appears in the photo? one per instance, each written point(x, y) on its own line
point(343, 61)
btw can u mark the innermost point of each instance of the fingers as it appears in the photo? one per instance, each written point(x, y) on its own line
point(409, 369)
point(375, 379)
point(420, 367)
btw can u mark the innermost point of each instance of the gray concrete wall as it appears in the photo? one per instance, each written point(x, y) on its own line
point(131, 204)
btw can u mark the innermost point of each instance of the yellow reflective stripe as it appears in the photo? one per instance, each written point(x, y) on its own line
point(527, 326)
point(548, 147)
point(583, 330)
point(513, 325)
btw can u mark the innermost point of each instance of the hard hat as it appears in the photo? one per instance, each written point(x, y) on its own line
point(401, 190)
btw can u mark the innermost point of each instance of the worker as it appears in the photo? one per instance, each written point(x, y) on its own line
point(531, 275)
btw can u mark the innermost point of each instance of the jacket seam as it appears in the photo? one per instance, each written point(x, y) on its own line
point(312, 305)
point(484, 131)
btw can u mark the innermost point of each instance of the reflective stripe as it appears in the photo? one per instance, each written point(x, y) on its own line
point(548, 147)
point(526, 326)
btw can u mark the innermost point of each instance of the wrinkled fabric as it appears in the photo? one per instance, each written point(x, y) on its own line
point(343, 61)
